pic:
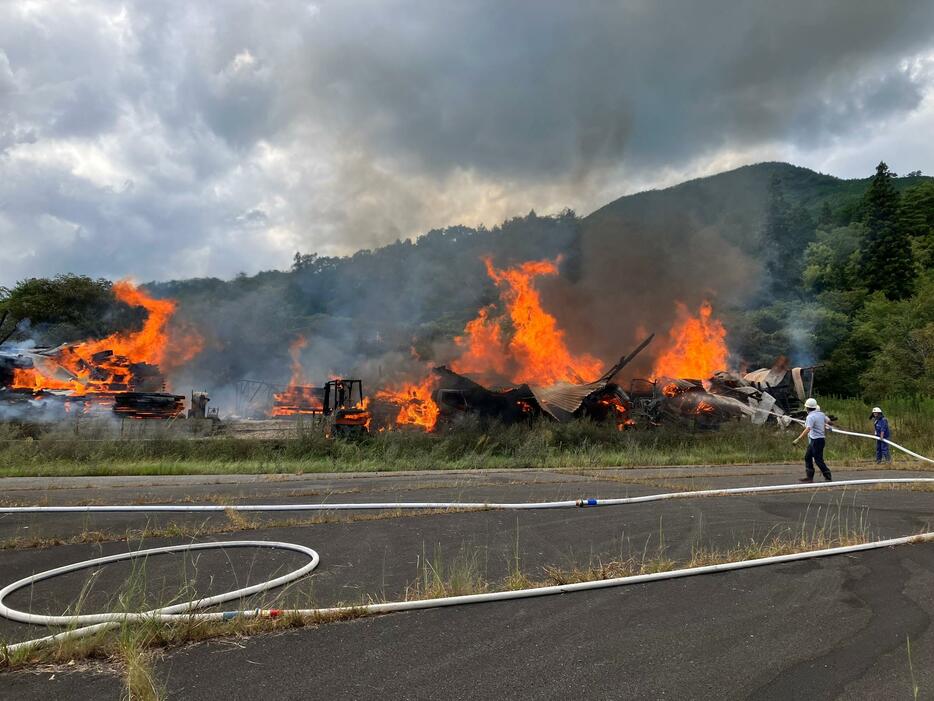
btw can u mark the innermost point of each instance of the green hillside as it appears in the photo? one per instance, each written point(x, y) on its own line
point(736, 201)
point(783, 252)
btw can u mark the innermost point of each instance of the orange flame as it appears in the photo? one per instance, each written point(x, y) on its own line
point(484, 352)
point(299, 397)
point(416, 407)
point(105, 365)
point(295, 353)
point(698, 346)
point(620, 412)
point(671, 390)
point(536, 353)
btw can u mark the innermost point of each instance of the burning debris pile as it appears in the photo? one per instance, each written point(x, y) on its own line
point(123, 372)
point(530, 372)
point(690, 383)
point(296, 400)
point(523, 355)
point(299, 398)
point(601, 400)
point(724, 396)
point(522, 352)
point(416, 403)
point(512, 363)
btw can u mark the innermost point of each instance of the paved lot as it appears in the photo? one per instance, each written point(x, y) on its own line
point(821, 629)
point(809, 630)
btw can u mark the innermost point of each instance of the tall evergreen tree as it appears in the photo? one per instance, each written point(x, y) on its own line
point(886, 261)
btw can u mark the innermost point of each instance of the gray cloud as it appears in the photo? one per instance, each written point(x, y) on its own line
point(174, 138)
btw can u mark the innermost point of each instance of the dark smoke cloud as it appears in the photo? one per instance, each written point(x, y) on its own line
point(174, 139)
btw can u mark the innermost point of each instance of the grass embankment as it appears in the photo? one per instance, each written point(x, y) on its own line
point(58, 452)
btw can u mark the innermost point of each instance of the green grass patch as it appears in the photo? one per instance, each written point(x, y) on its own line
point(59, 452)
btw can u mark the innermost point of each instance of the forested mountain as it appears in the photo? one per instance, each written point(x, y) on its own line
point(796, 262)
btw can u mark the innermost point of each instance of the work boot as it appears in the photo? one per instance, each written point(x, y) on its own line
point(806, 479)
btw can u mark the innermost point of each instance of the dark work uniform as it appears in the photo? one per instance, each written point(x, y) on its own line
point(882, 448)
point(817, 425)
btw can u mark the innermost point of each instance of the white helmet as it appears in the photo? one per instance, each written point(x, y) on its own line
point(876, 410)
point(811, 403)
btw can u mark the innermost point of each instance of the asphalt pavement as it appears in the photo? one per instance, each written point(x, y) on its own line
point(838, 627)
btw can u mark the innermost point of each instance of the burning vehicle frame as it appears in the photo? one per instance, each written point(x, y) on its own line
point(339, 405)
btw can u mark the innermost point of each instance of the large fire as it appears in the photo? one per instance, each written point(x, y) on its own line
point(416, 406)
point(122, 361)
point(698, 346)
point(523, 344)
point(536, 352)
point(299, 397)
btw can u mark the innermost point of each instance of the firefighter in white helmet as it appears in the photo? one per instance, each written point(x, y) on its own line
point(815, 428)
point(881, 427)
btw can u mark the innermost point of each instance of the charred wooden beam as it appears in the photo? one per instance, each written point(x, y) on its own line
point(625, 360)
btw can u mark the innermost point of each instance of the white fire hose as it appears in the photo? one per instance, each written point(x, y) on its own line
point(92, 623)
point(832, 429)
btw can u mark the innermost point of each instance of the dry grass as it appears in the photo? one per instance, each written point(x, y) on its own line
point(438, 577)
point(140, 678)
point(237, 521)
point(700, 557)
point(135, 645)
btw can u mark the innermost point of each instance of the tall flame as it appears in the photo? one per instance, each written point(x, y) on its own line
point(484, 352)
point(104, 365)
point(299, 397)
point(697, 346)
point(295, 355)
point(536, 352)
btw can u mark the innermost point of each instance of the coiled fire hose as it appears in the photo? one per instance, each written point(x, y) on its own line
point(186, 611)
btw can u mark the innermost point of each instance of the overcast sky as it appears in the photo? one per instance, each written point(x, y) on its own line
point(162, 139)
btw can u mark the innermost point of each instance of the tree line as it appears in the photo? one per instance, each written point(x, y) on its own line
point(850, 287)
